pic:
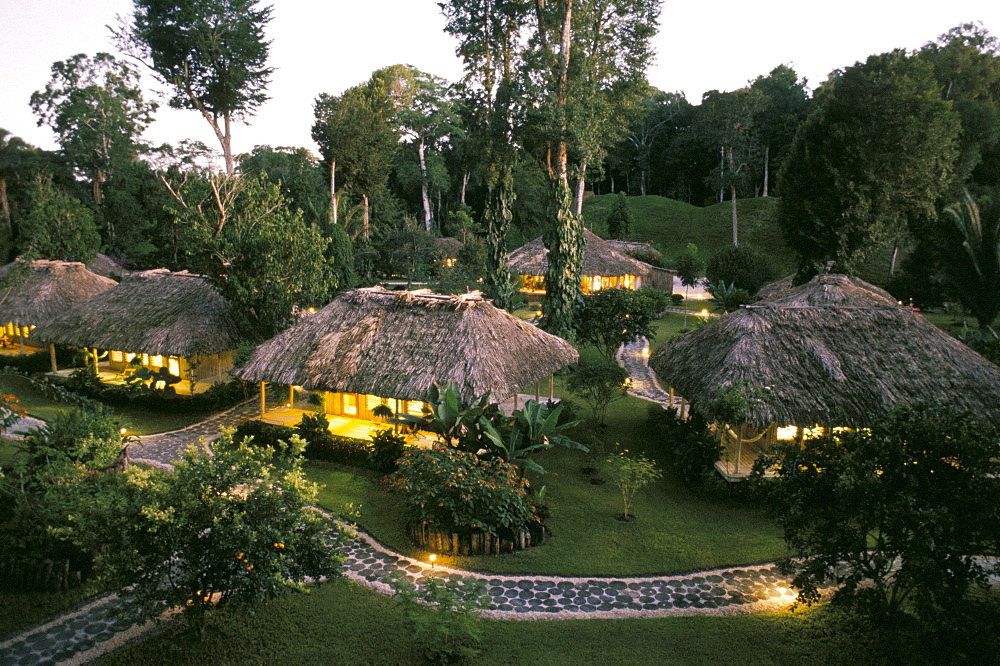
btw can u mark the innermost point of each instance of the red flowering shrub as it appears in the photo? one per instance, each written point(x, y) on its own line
point(456, 491)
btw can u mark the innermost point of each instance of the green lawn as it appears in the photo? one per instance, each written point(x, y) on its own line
point(342, 623)
point(137, 421)
point(670, 225)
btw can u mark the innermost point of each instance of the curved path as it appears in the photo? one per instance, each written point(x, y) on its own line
point(95, 627)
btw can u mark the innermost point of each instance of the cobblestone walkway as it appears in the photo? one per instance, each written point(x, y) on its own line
point(634, 357)
point(163, 449)
point(97, 627)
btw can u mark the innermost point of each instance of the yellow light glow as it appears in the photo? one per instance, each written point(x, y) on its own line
point(703, 313)
point(123, 431)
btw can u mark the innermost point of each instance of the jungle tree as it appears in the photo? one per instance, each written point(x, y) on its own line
point(874, 156)
point(212, 53)
point(95, 107)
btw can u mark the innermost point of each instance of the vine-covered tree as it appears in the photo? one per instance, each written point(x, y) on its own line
point(490, 42)
point(784, 106)
point(212, 53)
point(874, 156)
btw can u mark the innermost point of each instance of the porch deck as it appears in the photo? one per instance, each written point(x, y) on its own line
point(116, 377)
point(735, 467)
point(342, 426)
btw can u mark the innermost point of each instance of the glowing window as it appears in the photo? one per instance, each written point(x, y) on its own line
point(373, 401)
point(117, 357)
point(350, 402)
point(415, 408)
point(174, 366)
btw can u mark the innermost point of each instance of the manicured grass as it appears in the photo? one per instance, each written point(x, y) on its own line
point(670, 225)
point(138, 421)
point(342, 623)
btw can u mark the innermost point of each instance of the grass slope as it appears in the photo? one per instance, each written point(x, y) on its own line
point(670, 225)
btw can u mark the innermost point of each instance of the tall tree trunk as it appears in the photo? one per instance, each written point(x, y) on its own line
point(465, 185)
point(732, 195)
point(227, 146)
point(425, 196)
point(497, 218)
point(6, 232)
point(333, 192)
point(612, 184)
point(892, 259)
point(564, 234)
point(364, 216)
point(767, 165)
point(722, 173)
point(581, 187)
point(642, 181)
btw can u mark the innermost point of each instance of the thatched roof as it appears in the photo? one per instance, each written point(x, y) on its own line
point(639, 247)
point(832, 351)
point(599, 258)
point(31, 294)
point(396, 344)
point(151, 312)
point(779, 287)
point(107, 266)
point(448, 247)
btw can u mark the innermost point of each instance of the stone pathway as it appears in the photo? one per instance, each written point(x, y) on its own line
point(97, 627)
point(634, 358)
point(162, 449)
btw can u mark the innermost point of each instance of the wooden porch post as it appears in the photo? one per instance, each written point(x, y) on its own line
point(291, 395)
point(552, 382)
point(20, 339)
point(263, 399)
point(52, 356)
point(671, 394)
point(739, 446)
point(538, 389)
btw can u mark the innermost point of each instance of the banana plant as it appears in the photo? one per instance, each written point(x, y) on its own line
point(449, 418)
point(533, 428)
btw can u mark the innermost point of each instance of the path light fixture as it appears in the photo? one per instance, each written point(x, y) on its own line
point(432, 558)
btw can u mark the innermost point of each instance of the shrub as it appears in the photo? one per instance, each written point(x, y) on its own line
point(740, 266)
point(387, 447)
point(691, 450)
point(676, 299)
point(321, 444)
point(631, 473)
point(264, 434)
point(442, 614)
point(598, 384)
point(457, 492)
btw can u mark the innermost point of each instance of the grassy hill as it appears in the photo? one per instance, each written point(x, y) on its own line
point(670, 225)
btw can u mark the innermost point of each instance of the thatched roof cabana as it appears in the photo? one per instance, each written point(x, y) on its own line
point(153, 312)
point(397, 344)
point(829, 352)
point(599, 259)
point(33, 293)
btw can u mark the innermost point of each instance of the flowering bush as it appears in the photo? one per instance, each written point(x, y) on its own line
point(456, 491)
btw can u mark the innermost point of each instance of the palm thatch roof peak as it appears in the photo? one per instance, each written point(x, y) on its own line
point(33, 292)
point(599, 258)
point(153, 312)
point(828, 290)
point(834, 351)
point(396, 344)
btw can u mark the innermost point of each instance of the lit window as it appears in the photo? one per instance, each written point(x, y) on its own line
point(156, 361)
point(117, 357)
point(174, 366)
point(350, 402)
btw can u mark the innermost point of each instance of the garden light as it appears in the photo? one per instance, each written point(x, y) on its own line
point(432, 558)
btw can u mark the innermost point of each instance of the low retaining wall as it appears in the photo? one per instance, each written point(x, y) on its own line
point(431, 538)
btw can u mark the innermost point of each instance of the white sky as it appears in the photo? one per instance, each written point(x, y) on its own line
point(330, 45)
